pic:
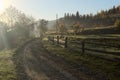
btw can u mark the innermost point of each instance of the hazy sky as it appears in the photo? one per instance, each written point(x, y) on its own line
point(48, 9)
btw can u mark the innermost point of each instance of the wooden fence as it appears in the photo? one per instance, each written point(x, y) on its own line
point(67, 42)
point(61, 41)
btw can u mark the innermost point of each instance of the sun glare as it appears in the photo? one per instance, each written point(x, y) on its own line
point(4, 4)
point(1, 5)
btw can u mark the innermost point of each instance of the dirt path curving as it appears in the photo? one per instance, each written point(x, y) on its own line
point(34, 62)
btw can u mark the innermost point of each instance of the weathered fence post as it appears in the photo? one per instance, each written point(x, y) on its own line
point(66, 42)
point(53, 40)
point(83, 46)
point(57, 39)
point(48, 38)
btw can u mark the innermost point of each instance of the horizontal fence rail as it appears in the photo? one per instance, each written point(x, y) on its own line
point(90, 44)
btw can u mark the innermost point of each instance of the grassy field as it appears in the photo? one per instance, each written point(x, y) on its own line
point(92, 36)
point(111, 69)
point(106, 67)
point(103, 30)
point(7, 67)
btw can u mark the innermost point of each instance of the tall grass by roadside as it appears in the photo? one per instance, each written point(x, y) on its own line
point(7, 67)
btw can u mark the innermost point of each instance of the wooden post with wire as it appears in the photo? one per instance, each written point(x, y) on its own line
point(83, 46)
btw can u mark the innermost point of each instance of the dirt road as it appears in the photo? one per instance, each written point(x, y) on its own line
point(34, 62)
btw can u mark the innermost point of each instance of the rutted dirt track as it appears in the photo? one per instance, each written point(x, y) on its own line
point(33, 62)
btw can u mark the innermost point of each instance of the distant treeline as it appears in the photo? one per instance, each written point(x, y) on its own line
point(103, 18)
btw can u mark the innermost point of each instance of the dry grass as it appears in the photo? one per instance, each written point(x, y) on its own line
point(7, 67)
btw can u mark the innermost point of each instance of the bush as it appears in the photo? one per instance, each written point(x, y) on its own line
point(117, 24)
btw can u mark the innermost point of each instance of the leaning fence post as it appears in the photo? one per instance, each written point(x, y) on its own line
point(83, 46)
point(66, 42)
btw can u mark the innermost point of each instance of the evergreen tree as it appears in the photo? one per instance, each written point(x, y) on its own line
point(77, 15)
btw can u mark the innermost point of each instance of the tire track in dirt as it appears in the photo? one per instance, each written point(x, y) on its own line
point(34, 62)
point(37, 62)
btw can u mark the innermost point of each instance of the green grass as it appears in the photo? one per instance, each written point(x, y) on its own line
point(7, 67)
point(111, 69)
point(91, 36)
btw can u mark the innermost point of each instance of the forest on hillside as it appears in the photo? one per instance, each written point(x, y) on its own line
point(102, 18)
point(105, 20)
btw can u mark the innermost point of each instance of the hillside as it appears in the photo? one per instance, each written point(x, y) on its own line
point(105, 18)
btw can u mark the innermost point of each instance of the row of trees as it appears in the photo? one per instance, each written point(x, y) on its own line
point(77, 22)
point(18, 27)
point(102, 14)
point(103, 18)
